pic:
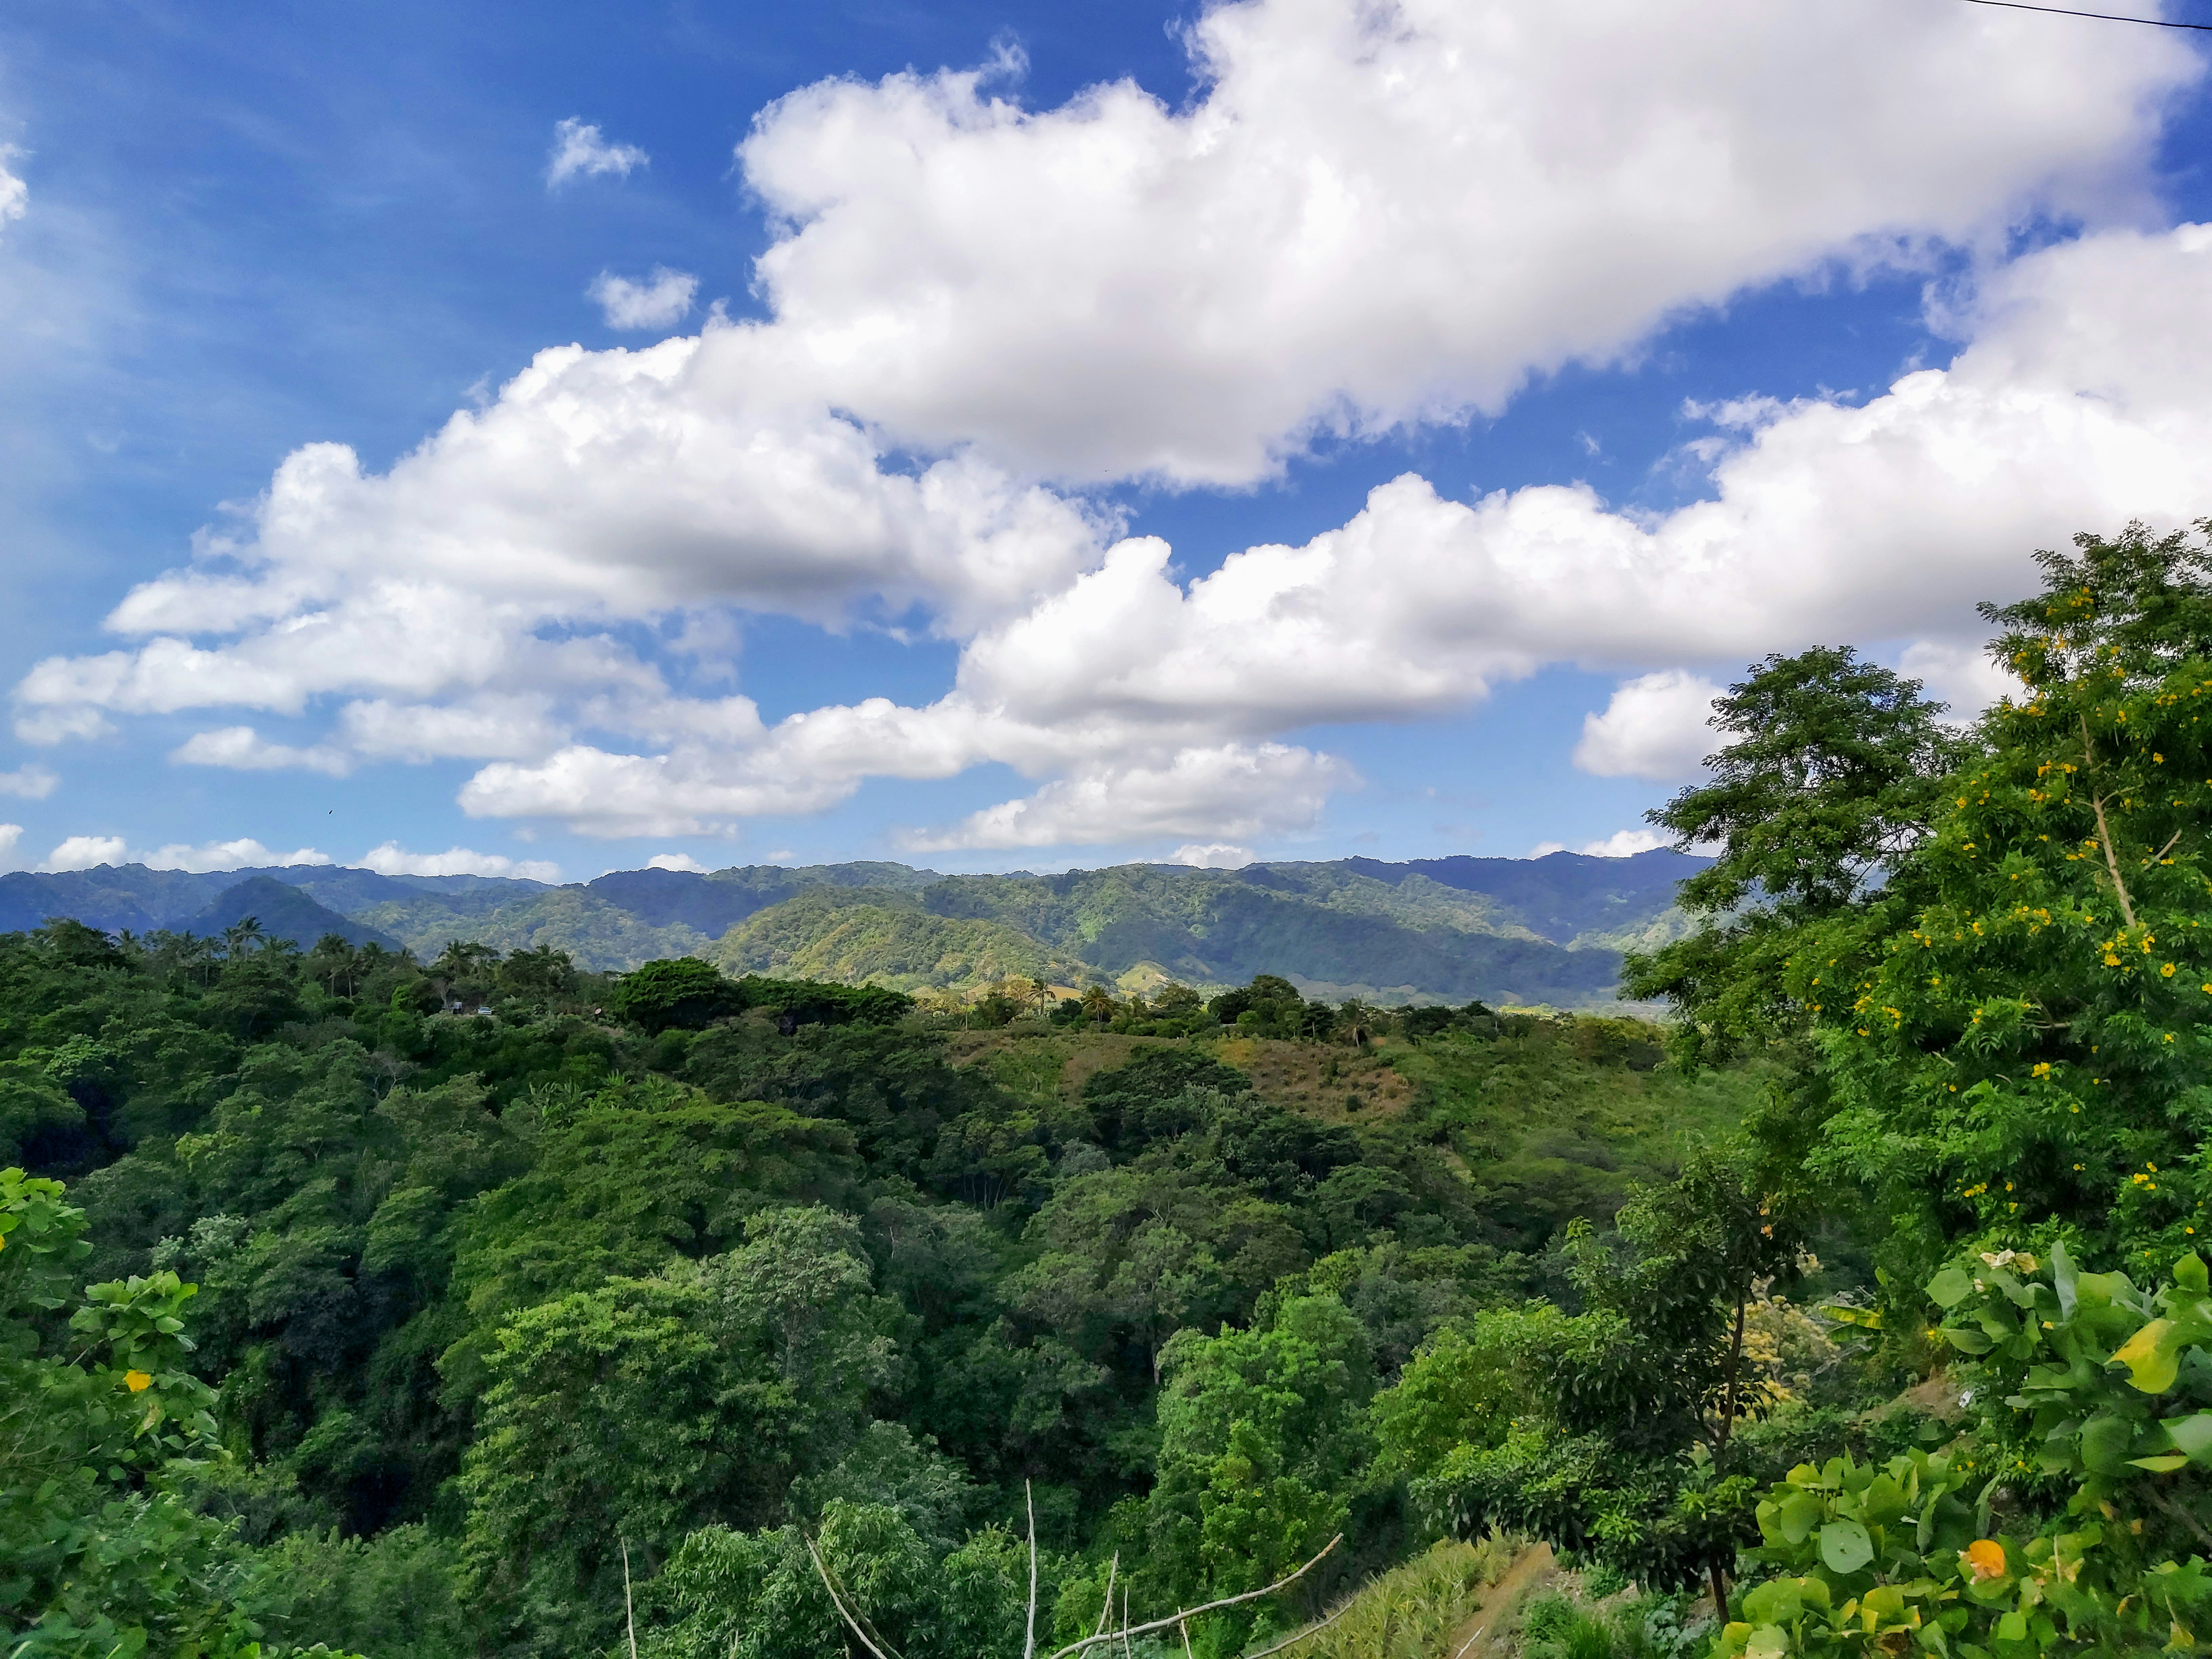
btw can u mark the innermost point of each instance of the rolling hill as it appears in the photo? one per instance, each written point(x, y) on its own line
point(1546, 930)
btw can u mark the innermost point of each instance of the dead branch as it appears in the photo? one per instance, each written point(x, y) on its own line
point(1029, 1641)
point(629, 1618)
point(837, 1601)
point(2112, 860)
point(2105, 829)
point(1176, 1618)
point(1311, 1630)
point(1106, 1610)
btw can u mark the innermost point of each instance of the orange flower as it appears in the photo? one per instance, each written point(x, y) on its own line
point(1987, 1559)
point(137, 1382)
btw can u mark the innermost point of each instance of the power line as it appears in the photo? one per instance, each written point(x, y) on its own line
point(2102, 16)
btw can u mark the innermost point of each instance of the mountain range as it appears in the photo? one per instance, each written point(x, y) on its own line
point(1545, 931)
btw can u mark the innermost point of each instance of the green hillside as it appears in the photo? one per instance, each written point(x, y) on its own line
point(869, 934)
point(1514, 931)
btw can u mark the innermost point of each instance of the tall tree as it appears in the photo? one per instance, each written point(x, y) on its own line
point(1829, 772)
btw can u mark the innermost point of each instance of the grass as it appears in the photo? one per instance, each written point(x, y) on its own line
point(1406, 1612)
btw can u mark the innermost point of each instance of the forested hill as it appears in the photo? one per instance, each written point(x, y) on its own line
point(1545, 930)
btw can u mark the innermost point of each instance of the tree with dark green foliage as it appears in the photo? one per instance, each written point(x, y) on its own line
point(682, 993)
point(1829, 772)
point(512, 1288)
point(1627, 1447)
point(103, 1427)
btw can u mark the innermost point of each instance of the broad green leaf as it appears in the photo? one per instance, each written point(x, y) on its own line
point(2162, 1465)
point(2189, 1274)
point(1798, 1515)
point(1844, 1546)
point(2191, 1435)
point(1949, 1288)
point(2105, 1442)
point(1966, 1341)
point(2153, 1360)
point(1777, 1601)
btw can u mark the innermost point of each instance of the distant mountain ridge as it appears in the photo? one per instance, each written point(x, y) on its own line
point(1506, 930)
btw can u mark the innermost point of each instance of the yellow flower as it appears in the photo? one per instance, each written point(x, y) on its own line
point(2167, 972)
point(137, 1382)
point(2042, 1069)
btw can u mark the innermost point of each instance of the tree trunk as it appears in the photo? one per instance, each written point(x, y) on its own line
point(1720, 1591)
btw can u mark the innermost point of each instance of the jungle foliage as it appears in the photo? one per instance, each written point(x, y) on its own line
point(479, 1304)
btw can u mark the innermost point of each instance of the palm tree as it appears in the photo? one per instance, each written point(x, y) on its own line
point(240, 934)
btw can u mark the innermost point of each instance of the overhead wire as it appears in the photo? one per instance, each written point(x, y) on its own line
point(2101, 16)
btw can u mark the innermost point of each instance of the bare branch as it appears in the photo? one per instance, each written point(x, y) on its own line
point(1311, 1630)
point(838, 1602)
point(2104, 829)
point(1029, 1642)
point(1106, 1611)
point(2112, 860)
point(1176, 1618)
point(629, 1618)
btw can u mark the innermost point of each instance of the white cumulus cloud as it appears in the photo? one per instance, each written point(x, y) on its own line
point(1382, 214)
point(9, 834)
point(242, 749)
point(85, 853)
point(676, 861)
point(1657, 727)
point(390, 860)
point(14, 194)
point(88, 852)
point(660, 301)
point(30, 782)
point(1626, 843)
point(1212, 856)
point(245, 853)
point(580, 151)
point(1367, 218)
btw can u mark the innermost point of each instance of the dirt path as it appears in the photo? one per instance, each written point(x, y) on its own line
point(1478, 1638)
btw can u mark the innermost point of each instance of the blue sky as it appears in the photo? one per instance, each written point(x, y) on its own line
point(1494, 387)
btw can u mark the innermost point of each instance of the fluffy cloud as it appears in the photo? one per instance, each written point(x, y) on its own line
point(580, 152)
point(1626, 843)
point(390, 860)
point(1233, 789)
point(660, 301)
point(1212, 856)
point(1368, 217)
point(1382, 214)
point(30, 782)
point(242, 749)
point(246, 853)
point(88, 852)
point(1620, 844)
point(9, 834)
point(14, 194)
point(676, 861)
point(1656, 728)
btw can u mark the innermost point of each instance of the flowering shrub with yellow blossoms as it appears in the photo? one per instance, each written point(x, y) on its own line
point(2017, 1027)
